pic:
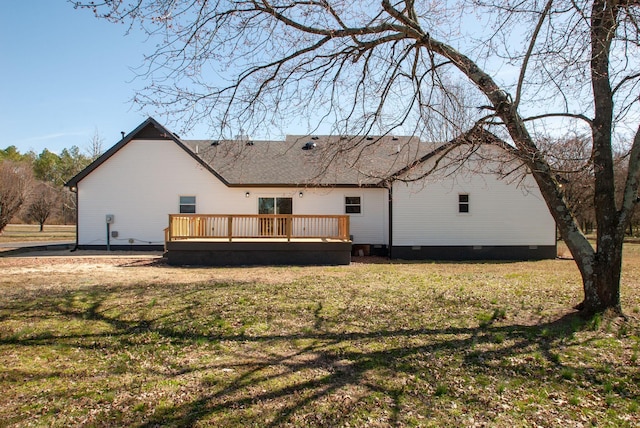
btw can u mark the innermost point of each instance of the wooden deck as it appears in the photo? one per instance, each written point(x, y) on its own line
point(224, 240)
point(258, 226)
point(270, 239)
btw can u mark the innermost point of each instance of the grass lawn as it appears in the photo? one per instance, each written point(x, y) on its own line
point(31, 233)
point(117, 341)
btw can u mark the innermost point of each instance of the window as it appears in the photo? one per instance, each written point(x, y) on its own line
point(352, 205)
point(463, 203)
point(187, 204)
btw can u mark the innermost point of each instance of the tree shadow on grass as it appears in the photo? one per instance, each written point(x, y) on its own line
point(355, 369)
point(316, 376)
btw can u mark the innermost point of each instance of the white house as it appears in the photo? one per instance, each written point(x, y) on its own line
point(125, 197)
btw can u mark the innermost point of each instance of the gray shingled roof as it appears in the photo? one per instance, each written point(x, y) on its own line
point(333, 161)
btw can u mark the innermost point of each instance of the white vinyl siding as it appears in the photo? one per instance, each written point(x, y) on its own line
point(509, 212)
point(370, 227)
point(142, 183)
point(502, 214)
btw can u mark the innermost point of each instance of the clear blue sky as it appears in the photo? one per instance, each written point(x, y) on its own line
point(64, 74)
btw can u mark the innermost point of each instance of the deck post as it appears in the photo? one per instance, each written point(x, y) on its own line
point(289, 220)
point(230, 227)
point(346, 227)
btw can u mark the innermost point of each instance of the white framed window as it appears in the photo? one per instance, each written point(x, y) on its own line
point(187, 204)
point(463, 203)
point(353, 205)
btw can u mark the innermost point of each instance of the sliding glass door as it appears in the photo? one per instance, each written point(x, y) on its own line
point(270, 226)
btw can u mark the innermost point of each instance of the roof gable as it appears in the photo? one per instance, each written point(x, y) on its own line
point(474, 138)
point(150, 129)
point(153, 131)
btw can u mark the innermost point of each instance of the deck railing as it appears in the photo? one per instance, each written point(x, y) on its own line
point(256, 226)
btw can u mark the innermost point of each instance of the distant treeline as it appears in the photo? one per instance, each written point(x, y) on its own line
point(32, 185)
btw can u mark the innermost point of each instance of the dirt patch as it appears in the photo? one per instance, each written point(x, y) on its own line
point(66, 257)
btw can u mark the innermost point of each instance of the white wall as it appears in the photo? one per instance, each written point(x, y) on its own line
point(142, 182)
point(369, 227)
point(140, 185)
point(501, 213)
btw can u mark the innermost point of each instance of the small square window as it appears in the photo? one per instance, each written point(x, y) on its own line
point(187, 204)
point(352, 205)
point(463, 203)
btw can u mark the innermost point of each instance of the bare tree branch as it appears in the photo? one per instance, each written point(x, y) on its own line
point(386, 65)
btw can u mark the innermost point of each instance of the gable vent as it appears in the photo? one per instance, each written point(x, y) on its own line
point(309, 146)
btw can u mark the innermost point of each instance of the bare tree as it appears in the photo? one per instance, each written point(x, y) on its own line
point(621, 167)
point(570, 159)
point(95, 148)
point(68, 207)
point(370, 66)
point(42, 204)
point(16, 179)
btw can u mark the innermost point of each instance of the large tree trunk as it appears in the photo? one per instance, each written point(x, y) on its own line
point(602, 287)
point(600, 270)
point(602, 281)
point(606, 285)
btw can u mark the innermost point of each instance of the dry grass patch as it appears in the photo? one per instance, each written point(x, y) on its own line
point(31, 233)
point(116, 341)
